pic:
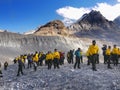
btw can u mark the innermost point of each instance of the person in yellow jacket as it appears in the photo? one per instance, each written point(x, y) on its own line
point(93, 51)
point(115, 55)
point(56, 56)
point(49, 59)
point(108, 56)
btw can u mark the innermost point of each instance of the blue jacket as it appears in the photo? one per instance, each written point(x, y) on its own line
point(77, 53)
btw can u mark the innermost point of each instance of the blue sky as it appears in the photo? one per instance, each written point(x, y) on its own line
point(24, 15)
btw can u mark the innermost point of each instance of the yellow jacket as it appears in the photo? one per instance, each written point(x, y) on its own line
point(115, 51)
point(49, 56)
point(35, 58)
point(93, 49)
point(88, 53)
point(108, 52)
point(22, 59)
point(56, 55)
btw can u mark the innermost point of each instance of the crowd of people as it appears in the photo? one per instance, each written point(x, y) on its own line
point(75, 57)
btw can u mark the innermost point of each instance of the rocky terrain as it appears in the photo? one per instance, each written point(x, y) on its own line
point(55, 34)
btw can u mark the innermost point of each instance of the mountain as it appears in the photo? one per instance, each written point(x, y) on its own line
point(95, 25)
point(92, 20)
point(53, 28)
point(117, 21)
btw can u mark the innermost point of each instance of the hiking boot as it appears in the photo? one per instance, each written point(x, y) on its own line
point(109, 67)
point(94, 69)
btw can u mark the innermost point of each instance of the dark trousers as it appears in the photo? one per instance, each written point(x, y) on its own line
point(20, 70)
point(77, 62)
point(105, 59)
point(108, 58)
point(71, 60)
point(49, 64)
point(81, 59)
point(56, 63)
point(29, 64)
point(115, 59)
point(5, 67)
point(89, 61)
point(93, 61)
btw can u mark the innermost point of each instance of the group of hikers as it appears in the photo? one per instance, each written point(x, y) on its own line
point(57, 58)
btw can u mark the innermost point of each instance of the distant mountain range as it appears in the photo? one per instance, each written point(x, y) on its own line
point(55, 34)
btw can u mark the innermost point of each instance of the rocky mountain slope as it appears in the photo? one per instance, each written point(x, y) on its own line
point(53, 28)
point(117, 21)
point(95, 25)
point(12, 44)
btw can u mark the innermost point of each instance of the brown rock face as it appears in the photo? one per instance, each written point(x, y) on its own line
point(54, 28)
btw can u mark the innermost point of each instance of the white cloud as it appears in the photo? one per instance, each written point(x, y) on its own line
point(118, 0)
point(109, 11)
point(72, 13)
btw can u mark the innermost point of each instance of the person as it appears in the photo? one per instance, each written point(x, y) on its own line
point(15, 60)
point(20, 66)
point(104, 53)
point(62, 57)
point(56, 56)
point(108, 56)
point(1, 70)
point(35, 62)
point(49, 58)
point(68, 57)
point(94, 54)
point(115, 55)
point(71, 56)
point(5, 65)
point(29, 58)
point(77, 62)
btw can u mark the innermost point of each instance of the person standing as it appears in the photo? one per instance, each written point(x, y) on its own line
point(77, 62)
point(104, 48)
point(115, 55)
point(56, 56)
point(20, 66)
point(108, 56)
point(49, 59)
point(93, 49)
point(5, 65)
